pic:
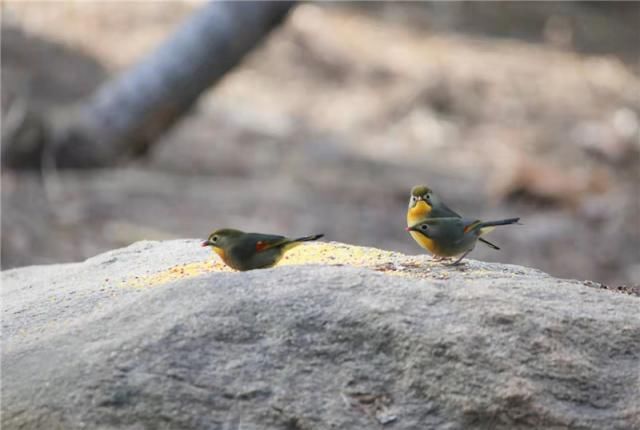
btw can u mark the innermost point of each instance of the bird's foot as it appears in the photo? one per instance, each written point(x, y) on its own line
point(457, 263)
point(459, 260)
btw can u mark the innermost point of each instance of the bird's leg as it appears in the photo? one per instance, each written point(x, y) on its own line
point(455, 263)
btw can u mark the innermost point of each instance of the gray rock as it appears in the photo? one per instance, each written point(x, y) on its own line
point(486, 346)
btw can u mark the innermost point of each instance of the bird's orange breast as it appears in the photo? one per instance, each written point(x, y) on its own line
point(223, 256)
point(415, 214)
point(218, 251)
point(426, 243)
point(418, 212)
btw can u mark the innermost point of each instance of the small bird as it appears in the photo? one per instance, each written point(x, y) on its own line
point(452, 236)
point(425, 204)
point(247, 251)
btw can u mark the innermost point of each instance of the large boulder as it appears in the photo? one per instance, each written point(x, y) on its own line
point(159, 336)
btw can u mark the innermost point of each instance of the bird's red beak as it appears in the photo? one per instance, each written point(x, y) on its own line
point(407, 229)
point(204, 243)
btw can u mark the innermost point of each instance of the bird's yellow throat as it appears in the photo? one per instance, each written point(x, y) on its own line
point(418, 212)
point(218, 251)
point(415, 214)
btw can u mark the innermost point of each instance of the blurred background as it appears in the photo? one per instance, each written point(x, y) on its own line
point(505, 109)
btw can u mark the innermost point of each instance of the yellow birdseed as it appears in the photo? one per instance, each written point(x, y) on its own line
point(322, 253)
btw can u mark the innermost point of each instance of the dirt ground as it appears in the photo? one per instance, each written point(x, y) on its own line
point(326, 127)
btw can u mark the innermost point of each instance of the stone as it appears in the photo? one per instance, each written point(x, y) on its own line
point(159, 335)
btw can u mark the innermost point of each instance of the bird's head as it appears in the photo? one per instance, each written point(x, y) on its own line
point(222, 238)
point(421, 227)
point(421, 196)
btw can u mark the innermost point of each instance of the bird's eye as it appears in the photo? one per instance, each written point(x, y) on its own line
point(413, 198)
point(427, 197)
point(423, 227)
point(214, 239)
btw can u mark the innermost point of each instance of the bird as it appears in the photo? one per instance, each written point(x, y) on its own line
point(424, 204)
point(453, 236)
point(247, 251)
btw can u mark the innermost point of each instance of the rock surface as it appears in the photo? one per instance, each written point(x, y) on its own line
point(159, 336)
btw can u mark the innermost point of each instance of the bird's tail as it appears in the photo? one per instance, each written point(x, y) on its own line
point(484, 227)
point(489, 244)
point(308, 238)
point(499, 222)
point(295, 242)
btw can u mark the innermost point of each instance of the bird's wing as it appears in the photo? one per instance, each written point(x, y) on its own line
point(448, 212)
point(470, 225)
point(267, 241)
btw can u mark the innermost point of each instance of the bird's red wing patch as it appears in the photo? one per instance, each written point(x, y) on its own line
point(261, 246)
point(471, 226)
